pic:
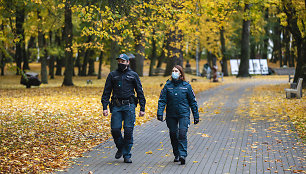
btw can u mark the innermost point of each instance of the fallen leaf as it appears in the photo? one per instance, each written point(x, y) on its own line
point(149, 152)
point(205, 135)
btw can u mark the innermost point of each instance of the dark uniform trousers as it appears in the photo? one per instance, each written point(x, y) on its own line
point(178, 128)
point(125, 114)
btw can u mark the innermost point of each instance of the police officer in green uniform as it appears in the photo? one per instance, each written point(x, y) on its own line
point(177, 95)
point(122, 84)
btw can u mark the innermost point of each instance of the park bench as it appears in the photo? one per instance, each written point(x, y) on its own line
point(295, 90)
point(291, 77)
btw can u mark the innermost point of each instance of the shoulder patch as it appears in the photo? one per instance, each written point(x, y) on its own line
point(185, 83)
point(168, 82)
point(130, 77)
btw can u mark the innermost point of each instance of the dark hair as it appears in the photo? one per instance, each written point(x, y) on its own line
point(182, 77)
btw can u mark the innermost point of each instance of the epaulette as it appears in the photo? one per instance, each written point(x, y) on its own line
point(185, 83)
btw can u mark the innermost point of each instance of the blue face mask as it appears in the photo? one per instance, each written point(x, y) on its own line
point(175, 75)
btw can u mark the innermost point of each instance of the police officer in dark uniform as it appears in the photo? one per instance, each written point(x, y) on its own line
point(177, 95)
point(123, 83)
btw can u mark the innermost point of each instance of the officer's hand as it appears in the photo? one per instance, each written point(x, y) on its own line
point(196, 121)
point(141, 114)
point(160, 118)
point(105, 113)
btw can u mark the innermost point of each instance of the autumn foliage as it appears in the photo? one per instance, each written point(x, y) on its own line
point(43, 128)
point(269, 103)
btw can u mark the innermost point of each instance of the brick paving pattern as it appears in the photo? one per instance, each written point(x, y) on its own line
point(223, 142)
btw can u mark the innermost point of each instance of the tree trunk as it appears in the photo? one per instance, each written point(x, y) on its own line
point(51, 67)
point(51, 60)
point(25, 56)
point(2, 55)
point(59, 65)
point(169, 58)
point(266, 37)
point(153, 55)
point(300, 70)
point(292, 57)
point(42, 48)
point(133, 64)
point(214, 60)
point(245, 46)
point(31, 45)
point(115, 48)
point(2, 63)
point(286, 37)
point(100, 65)
point(68, 43)
point(253, 48)
point(20, 34)
point(114, 53)
point(175, 53)
point(86, 58)
point(161, 59)
point(280, 52)
point(139, 57)
point(290, 52)
point(25, 60)
point(59, 59)
point(224, 58)
point(91, 62)
point(209, 58)
point(180, 37)
point(198, 54)
point(44, 64)
point(277, 42)
point(78, 60)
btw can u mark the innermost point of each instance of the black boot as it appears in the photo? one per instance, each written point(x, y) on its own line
point(118, 154)
point(182, 159)
point(127, 160)
point(176, 159)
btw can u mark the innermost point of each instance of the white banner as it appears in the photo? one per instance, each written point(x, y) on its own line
point(256, 66)
point(264, 66)
point(234, 66)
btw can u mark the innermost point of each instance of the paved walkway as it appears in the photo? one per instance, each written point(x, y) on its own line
point(223, 142)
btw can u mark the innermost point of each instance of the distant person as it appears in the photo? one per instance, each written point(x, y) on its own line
point(188, 67)
point(177, 95)
point(188, 64)
point(206, 71)
point(214, 71)
point(121, 83)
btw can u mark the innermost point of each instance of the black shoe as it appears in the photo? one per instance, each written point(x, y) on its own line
point(176, 159)
point(182, 159)
point(127, 160)
point(118, 154)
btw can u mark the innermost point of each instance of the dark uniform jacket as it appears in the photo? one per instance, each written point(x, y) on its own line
point(178, 97)
point(122, 86)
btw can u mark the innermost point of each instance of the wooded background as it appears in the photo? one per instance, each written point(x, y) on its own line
point(65, 33)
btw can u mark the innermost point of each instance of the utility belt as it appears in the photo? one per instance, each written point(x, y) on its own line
point(120, 102)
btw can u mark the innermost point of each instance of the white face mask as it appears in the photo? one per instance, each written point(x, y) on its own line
point(175, 75)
